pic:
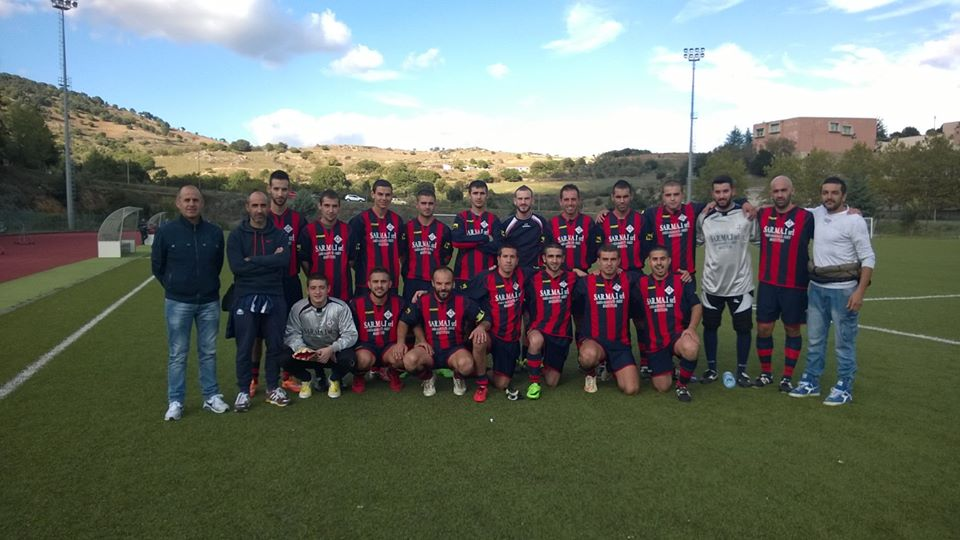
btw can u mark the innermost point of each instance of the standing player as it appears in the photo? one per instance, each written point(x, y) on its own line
point(426, 241)
point(549, 332)
point(571, 230)
point(843, 266)
point(324, 247)
point(439, 320)
point(376, 315)
point(603, 304)
point(476, 233)
point(727, 232)
point(499, 292)
point(524, 229)
point(375, 234)
point(785, 234)
point(672, 311)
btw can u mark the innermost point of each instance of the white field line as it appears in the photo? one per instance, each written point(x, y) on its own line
point(37, 364)
point(908, 334)
point(893, 298)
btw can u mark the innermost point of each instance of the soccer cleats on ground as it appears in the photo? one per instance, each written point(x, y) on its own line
point(429, 386)
point(242, 403)
point(683, 394)
point(459, 386)
point(333, 391)
point(763, 380)
point(709, 376)
point(278, 397)
point(533, 391)
point(590, 384)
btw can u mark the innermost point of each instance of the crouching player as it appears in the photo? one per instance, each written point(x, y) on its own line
point(499, 292)
point(672, 312)
point(549, 331)
point(375, 315)
point(439, 319)
point(603, 304)
point(321, 333)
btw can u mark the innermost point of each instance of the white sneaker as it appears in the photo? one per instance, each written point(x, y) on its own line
point(174, 411)
point(430, 386)
point(242, 403)
point(216, 404)
point(306, 390)
point(590, 384)
point(459, 386)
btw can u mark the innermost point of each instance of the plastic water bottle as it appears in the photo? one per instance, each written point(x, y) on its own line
point(728, 380)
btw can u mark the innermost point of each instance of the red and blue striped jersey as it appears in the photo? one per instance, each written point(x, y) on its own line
point(428, 247)
point(548, 302)
point(290, 222)
point(502, 299)
point(603, 308)
point(666, 307)
point(327, 252)
point(626, 234)
point(675, 231)
point(444, 322)
point(377, 325)
point(784, 247)
point(476, 238)
point(574, 237)
point(376, 242)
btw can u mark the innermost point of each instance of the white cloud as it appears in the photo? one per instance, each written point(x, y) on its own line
point(587, 29)
point(9, 8)
point(857, 6)
point(362, 62)
point(702, 8)
point(254, 28)
point(498, 71)
point(428, 59)
point(397, 100)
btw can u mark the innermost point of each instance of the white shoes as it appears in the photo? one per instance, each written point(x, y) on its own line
point(459, 386)
point(216, 404)
point(430, 386)
point(590, 384)
point(174, 411)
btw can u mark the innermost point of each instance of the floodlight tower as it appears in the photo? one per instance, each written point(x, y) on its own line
point(63, 6)
point(693, 54)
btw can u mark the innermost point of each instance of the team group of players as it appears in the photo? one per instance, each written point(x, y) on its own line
point(518, 288)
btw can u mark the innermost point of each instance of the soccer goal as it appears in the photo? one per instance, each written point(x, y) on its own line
point(869, 221)
point(111, 240)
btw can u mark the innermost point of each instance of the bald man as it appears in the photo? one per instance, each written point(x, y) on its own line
point(258, 255)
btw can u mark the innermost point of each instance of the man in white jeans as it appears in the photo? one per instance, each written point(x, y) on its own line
point(843, 262)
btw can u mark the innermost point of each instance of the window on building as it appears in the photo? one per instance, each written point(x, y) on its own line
point(847, 130)
point(774, 127)
point(758, 132)
point(834, 127)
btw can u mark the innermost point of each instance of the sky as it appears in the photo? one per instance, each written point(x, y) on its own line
point(565, 78)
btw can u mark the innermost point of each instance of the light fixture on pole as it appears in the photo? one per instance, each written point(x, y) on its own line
point(693, 54)
point(64, 6)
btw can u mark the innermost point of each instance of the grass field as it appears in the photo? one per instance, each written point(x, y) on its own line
point(86, 454)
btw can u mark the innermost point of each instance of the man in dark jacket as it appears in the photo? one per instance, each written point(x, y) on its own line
point(187, 257)
point(258, 256)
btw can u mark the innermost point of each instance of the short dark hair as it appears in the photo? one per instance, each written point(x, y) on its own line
point(329, 194)
point(723, 179)
point(621, 184)
point(381, 182)
point(522, 188)
point(659, 247)
point(552, 245)
point(671, 183)
point(477, 184)
point(506, 246)
point(426, 192)
point(379, 270)
point(317, 277)
point(278, 175)
point(570, 187)
point(836, 180)
point(609, 248)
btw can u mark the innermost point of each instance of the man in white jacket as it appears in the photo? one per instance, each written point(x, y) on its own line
point(843, 261)
point(321, 333)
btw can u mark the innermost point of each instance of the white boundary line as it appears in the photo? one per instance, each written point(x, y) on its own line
point(907, 334)
point(29, 371)
point(892, 298)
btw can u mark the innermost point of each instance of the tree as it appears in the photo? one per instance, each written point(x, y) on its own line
point(29, 141)
point(366, 167)
point(241, 145)
point(484, 176)
point(910, 131)
point(329, 177)
point(781, 146)
point(882, 131)
point(454, 194)
point(728, 162)
point(734, 139)
point(760, 162)
point(511, 175)
point(427, 175)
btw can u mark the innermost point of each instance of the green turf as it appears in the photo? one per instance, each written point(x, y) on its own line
point(86, 454)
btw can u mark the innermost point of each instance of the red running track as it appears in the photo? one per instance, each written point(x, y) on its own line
point(47, 250)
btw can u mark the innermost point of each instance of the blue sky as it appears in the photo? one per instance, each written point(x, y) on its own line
point(568, 78)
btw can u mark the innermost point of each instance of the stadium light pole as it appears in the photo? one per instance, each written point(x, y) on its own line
point(692, 54)
point(63, 6)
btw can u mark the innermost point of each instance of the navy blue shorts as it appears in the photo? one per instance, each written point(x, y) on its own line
point(618, 355)
point(555, 352)
point(442, 356)
point(784, 303)
point(505, 355)
point(661, 362)
point(377, 352)
point(741, 310)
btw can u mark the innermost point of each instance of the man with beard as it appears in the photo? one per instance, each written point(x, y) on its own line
point(476, 234)
point(571, 230)
point(549, 332)
point(375, 315)
point(525, 229)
